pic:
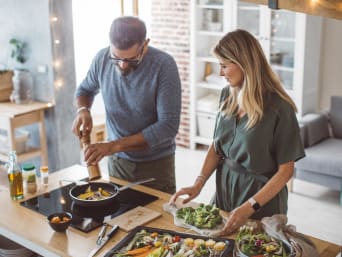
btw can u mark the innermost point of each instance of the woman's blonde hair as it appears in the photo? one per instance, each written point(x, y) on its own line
point(243, 49)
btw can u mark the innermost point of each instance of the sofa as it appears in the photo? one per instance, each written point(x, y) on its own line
point(322, 138)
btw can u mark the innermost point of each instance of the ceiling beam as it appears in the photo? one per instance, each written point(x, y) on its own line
point(325, 8)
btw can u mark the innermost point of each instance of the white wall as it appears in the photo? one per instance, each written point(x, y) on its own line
point(331, 62)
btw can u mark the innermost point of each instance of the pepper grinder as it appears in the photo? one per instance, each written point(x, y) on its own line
point(93, 170)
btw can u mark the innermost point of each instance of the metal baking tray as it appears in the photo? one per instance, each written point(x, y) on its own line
point(125, 241)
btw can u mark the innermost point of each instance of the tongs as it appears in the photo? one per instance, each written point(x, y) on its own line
point(102, 233)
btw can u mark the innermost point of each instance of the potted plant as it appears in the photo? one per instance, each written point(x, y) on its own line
point(22, 79)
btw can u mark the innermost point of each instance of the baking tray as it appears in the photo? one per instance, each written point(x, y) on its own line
point(125, 241)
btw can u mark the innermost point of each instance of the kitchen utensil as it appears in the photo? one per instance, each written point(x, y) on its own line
point(93, 170)
point(136, 217)
point(122, 245)
point(109, 187)
point(102, 233)
point(77, 182)
point(103, 241)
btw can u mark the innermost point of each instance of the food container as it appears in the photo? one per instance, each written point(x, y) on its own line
point(182, 238)
point(21, 138)
point(30, 178)
point(60, 221)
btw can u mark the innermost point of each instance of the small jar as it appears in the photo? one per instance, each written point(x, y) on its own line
point(44, 173)
point(30, 178)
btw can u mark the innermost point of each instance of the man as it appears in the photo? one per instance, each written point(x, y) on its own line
point(141, 91)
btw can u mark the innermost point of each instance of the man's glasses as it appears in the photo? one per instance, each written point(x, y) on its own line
point(131, 61)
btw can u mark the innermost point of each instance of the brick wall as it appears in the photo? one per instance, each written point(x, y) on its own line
point(170, 31)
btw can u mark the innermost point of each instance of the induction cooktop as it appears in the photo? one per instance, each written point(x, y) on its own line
point(87, 218)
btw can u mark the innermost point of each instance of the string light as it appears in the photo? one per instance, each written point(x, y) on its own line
point(57, 64)
point(58, 83)
point(54, 19)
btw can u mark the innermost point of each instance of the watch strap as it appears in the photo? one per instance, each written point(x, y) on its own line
point(255, 205)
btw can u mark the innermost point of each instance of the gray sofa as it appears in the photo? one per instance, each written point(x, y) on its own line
point(322, 139)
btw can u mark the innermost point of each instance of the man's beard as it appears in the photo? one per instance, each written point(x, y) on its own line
point(127, 70)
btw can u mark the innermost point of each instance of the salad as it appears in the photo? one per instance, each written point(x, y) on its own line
point(154, 244)
point(254, 242)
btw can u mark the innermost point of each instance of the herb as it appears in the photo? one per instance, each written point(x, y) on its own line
point(18, 51)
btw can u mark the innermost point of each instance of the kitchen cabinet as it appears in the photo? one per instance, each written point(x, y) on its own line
point(13, 116)
point(291, 42)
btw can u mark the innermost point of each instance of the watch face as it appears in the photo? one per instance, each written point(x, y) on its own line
point(255, 205)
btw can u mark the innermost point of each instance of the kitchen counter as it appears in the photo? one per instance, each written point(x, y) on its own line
point(32, 230)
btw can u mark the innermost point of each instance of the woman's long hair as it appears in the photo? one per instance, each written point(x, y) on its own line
point(241, 48)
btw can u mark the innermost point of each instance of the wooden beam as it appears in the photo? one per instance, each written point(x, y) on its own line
point(325, 8)
point(135, 7)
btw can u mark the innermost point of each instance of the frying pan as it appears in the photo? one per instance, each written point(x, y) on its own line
point(76, 190)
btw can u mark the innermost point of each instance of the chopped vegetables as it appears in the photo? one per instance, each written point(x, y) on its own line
point(255, 242)
point(100, 194)
point(167, 245)
point(205, 216)
point(57, 219)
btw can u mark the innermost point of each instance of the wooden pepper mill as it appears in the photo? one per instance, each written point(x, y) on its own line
point(93, 170)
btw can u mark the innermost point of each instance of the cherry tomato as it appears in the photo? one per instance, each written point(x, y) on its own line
point(176, 239)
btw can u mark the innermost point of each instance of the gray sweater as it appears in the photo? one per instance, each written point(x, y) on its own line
point(147, 100)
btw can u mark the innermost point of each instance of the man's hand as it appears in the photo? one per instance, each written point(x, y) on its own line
point(83, 120)
point(93, 153)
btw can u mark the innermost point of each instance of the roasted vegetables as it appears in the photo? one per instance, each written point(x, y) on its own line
point(167, 245)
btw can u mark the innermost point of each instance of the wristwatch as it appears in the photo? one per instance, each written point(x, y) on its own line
point(255, 205)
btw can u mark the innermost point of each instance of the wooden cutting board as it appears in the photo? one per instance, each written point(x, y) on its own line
point(135, 217)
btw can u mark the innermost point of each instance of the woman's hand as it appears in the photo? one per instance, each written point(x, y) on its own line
point(93, 153)
point(237, 218)
point(192, 192)
point(84, 120)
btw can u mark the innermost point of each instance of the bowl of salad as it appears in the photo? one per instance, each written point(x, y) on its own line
point(252, 241)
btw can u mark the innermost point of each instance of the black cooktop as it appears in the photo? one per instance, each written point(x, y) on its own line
point(87, 218)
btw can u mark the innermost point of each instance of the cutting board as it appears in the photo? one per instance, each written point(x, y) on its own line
point(135, 217)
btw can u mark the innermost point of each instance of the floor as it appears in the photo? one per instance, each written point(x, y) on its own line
point(313, 209)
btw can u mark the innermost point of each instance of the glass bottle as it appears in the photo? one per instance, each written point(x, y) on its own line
point(15, 177)
point(44, 173)
point(30, 178)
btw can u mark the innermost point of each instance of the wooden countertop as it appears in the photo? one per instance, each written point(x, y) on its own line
point(32, 230)
point(12, 110)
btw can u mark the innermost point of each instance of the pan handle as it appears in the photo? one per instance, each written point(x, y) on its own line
point(136, 183)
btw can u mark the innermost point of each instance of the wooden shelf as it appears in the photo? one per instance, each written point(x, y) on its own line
point(33, 152)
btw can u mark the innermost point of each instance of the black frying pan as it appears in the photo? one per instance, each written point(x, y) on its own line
point(76, 190)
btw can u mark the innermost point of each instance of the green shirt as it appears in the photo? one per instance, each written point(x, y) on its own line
point(273, 141)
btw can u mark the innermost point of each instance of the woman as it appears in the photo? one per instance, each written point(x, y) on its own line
point(256, 138)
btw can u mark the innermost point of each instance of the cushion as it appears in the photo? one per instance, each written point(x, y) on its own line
point(323, 158)
point(336, 116)
point(316, 128)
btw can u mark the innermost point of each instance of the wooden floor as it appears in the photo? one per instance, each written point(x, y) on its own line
point(313, 209)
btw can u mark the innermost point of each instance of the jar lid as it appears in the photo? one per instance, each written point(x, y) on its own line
point(44, 168)
point(28, 166)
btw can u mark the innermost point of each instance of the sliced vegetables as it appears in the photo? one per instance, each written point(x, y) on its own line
point(145, 244)
point(99, 194)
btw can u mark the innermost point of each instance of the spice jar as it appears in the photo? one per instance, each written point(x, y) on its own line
point(44, 173)
point(15, 177)
point(30, 178)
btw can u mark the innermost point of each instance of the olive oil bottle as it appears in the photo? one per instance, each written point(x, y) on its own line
point(15, 177)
